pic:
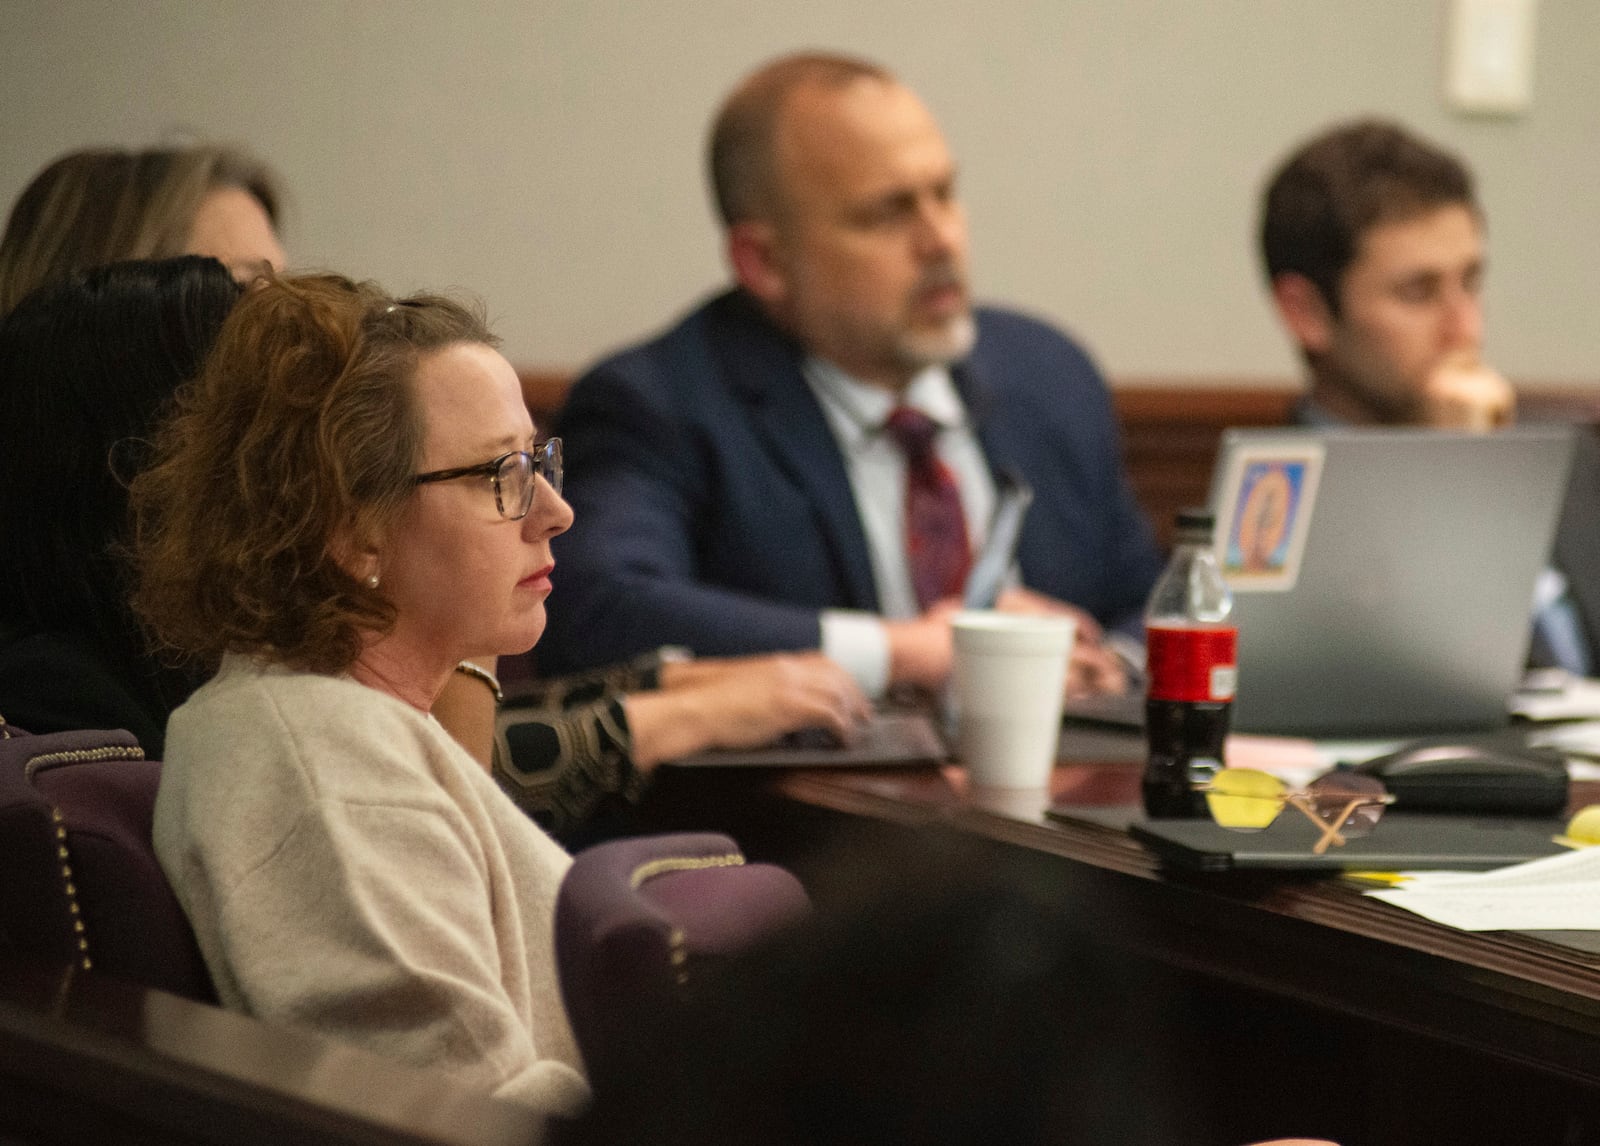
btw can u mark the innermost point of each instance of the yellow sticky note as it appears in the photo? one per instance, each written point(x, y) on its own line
point(1381, 878)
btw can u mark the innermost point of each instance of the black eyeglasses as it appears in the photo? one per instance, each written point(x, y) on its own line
point(512, 475)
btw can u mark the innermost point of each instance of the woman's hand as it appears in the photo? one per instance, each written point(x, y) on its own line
point(742, 702)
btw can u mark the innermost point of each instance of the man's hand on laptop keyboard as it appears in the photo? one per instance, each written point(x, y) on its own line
point(1094, 668)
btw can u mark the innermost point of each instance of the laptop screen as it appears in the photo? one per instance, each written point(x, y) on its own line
point(1383, 578)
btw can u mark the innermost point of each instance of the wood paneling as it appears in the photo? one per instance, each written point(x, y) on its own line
point(544, 391)
point(1170, 436)
point(1171, 428)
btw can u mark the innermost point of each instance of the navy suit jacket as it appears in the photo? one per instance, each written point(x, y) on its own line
point(713, 509)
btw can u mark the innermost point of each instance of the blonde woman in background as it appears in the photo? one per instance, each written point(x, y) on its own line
point(105, 205)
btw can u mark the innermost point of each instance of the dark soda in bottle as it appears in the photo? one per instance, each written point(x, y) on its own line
point(1191, 671)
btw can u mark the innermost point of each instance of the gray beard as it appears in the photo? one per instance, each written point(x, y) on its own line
point(939, 347)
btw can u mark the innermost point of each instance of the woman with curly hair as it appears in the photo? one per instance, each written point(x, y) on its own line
point(349, 502)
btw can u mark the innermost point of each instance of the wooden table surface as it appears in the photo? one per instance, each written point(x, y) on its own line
point(1525, 996)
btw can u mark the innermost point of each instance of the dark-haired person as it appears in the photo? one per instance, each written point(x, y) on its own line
point(810, 459)
point(1373, 244)
point(87, 366)
point(105, 205)
point(1372, 239)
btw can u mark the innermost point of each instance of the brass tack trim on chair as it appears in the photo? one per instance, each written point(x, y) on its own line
point(65, 858)
point(63, 854)
point(679, 956)
point(648, 871)
point(82, 755)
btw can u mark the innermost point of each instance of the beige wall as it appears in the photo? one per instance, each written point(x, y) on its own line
point(546, 155)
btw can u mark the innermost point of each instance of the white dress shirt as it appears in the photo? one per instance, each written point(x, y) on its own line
point(876, 467)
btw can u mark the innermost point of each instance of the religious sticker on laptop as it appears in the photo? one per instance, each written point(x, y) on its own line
point(1265, 513)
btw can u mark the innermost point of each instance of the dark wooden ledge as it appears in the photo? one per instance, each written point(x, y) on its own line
point(88, 1058)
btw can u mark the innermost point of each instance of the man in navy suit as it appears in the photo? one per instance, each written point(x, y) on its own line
point(734, 485)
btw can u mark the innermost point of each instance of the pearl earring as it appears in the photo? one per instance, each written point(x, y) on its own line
point(372, 580)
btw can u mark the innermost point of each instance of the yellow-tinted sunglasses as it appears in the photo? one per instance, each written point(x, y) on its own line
point(1343, 804)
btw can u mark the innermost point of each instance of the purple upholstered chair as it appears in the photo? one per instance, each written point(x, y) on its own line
point(80, 877)
point(634, 916)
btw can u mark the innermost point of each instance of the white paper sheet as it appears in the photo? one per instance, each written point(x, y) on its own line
point(1555, 695)
point(1557, 893)
point(1579, 741)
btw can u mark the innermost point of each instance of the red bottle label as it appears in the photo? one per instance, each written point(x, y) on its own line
point(1191, 664)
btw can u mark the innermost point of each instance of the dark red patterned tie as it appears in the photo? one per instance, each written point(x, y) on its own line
point(937, 550)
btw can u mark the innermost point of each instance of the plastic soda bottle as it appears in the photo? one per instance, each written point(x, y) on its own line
point(1191, 670)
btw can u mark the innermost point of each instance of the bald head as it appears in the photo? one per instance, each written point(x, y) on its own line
point(837, 190)
point(745, 178)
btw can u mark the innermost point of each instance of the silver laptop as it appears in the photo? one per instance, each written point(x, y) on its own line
point(1383, 578)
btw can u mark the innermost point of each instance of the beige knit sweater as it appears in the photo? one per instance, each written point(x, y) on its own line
point(350, 870)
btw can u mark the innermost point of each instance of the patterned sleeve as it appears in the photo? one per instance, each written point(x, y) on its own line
point(576, 689)
point(560, 761)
